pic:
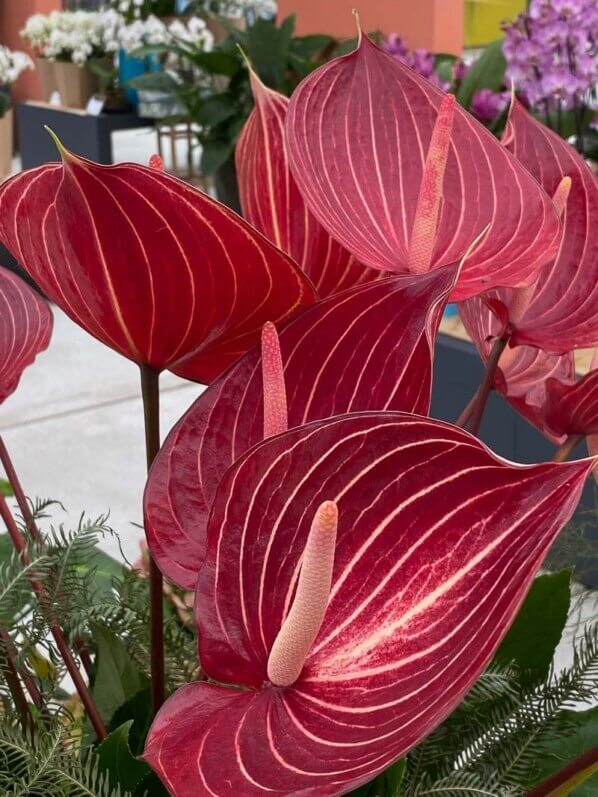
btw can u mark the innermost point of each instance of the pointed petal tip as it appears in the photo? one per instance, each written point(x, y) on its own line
point(156, 162)
point(62, 150)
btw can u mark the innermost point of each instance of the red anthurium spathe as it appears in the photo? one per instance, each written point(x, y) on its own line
point(523, 371)
point(367, 348)
point(152, 267)
point(272, 203)
point(406, 180)
point(25, 329)
point(561, 312)
point(425, 543)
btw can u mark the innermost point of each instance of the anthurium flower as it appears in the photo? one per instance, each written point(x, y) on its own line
point(152, 267)
point(360, 573)
point(370, 347)
point(407, 180)
point(560, 312)
point(523, 372)
point(25, 329)
point(272, 202)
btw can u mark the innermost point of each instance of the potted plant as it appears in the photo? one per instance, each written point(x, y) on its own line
point(76, 39)
point(36, 31)
point(12, 64)
point(216, 94)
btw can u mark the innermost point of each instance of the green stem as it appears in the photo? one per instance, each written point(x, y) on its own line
point(566, 776)
point(487, 384)
point(150, 391)
point(563, 452)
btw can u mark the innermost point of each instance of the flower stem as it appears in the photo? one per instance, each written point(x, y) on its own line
point(31, 526)
point(563, 452)
point(17, 489)
point(57, 633)
point(150, 391)
point(467, 412)
point(11, 655)
point(487, 384)
point(565, 776)
point(14, 684)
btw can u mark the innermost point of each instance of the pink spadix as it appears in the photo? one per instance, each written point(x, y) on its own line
point(523, 296)
point(156, 162)
point(301, 626)
point(423, 234)
point(275, 395)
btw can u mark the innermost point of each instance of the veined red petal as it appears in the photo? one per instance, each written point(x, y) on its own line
point(523, 371)
point(438, 542)
point(25, 329)
point(563, 312)
point(573, 408)
point(370, 347)
point(152, 267)
point(272, 203)
point(358, 133)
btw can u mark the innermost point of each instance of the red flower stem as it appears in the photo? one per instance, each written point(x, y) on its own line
point(14, 684)
point(11, 655)
point(27, 515)
point(465, 416)
point(565, 775)
point(150, 391)
point(57, 633)
point(563, 452)
point(12, 477)
point(487, 384)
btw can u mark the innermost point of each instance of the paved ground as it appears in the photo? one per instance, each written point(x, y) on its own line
point(75, 430)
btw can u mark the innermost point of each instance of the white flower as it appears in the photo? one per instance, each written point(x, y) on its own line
point(12, 64)
point(78, 36)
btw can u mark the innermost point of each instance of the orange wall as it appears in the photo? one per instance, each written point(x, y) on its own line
point(13, 14)
point(434, 24)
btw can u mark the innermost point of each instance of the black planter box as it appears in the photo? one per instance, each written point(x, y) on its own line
point(457, 374)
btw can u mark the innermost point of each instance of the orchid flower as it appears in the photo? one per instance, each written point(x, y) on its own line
point(368, 348)
point(150, 266)
point(360, 572)
point(406, 180)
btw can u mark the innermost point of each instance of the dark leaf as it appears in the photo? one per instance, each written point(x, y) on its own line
point(488, 72)
point(215, 154)
point(216, 109)
point(118, 763)
point(537, 630)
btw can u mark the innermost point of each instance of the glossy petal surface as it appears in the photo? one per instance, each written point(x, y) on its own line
point(573, 409)
point(368, 348)
point(563, 312)
point(25, 329)
point(153, 268)
point(523, 371)
point(358, 132)
point(272, 203)
point(438, 542)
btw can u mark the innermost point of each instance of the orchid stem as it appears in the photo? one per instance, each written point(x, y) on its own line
point(150, 391)
point(565, 776)
point(487, 384)
point(57, 633)
point(467, 412)
point(563, 452)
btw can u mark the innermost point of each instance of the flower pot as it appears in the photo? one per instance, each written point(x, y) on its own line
point(6, 144)
point(76, 84)
point(46, 76)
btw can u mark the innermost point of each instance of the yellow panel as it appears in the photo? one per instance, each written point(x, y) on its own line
point(483, 18)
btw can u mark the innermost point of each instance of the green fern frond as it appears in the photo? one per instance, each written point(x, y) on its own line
point(48, 766)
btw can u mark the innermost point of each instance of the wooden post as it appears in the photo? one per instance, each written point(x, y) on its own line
point(437, 25)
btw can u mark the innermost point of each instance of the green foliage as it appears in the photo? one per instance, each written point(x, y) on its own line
point(487, 72)
point(116, 677)
point(220, 99)
point(387, 784)
point(116, 761)
point(537, 630)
